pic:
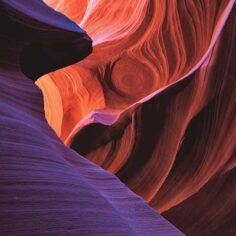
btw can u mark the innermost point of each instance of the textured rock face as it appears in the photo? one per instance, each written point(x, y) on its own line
point(155, 104)
point(45, 187)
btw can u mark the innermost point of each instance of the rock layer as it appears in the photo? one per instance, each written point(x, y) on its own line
point(45, 187)
point(154, 104)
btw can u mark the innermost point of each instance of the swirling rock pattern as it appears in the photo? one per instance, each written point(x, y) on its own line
point(154, 104)
point(45, 187)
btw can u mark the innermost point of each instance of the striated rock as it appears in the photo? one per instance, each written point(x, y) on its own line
point(155, 104)
point(45, 187)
